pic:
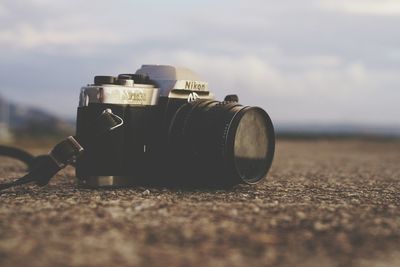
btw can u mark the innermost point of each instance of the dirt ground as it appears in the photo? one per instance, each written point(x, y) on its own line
point(324, 203)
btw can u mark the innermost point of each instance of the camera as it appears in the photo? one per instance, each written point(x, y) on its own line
point(170, 131)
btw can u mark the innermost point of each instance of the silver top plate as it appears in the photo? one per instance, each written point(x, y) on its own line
point(139, 94)
point(166, 81)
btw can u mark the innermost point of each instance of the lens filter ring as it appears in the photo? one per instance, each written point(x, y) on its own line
point(250, 145)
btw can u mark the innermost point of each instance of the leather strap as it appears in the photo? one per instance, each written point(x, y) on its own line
point(43, 168)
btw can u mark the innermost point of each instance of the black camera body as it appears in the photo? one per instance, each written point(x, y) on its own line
point(171, 131)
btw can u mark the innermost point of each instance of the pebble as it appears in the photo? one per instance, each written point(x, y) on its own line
point(301, 215)
point(319, 226)
point(234, 212)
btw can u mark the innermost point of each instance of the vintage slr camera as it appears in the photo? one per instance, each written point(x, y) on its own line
point(170, 131)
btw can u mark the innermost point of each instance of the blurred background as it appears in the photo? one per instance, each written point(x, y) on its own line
point(317, 66)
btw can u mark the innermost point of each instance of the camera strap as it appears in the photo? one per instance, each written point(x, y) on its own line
point(44, 167)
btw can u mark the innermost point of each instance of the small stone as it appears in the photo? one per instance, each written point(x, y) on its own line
point(128, 210)
point(234, 212)
point(307, 199)
point(139, 208)
point(146, 192)
point(256, 209)
point(163, 212)
point(308, 235)
point(301, 215)
point(319, 226)
point(344, 242)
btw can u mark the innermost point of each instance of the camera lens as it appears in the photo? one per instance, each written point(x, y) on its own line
point(222, 143)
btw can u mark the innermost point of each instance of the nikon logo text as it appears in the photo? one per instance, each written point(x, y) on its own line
point(192, 85)
point(192, 97)
point(133, 96)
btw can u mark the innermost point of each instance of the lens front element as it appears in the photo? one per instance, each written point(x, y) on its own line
point(251, 145)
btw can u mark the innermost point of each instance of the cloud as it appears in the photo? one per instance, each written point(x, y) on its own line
point(367, 7)
point(3, 10)
point(312, 74)
point(320, 88)
point(28, 37)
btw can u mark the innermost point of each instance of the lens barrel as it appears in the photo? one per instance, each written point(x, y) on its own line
point(221, 143)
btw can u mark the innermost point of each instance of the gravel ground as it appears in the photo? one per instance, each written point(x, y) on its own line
point(325, 203)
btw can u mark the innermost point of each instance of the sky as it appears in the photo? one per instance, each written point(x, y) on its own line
point(304, 61)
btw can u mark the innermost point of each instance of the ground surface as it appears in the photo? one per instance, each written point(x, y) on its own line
point(325, 203)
